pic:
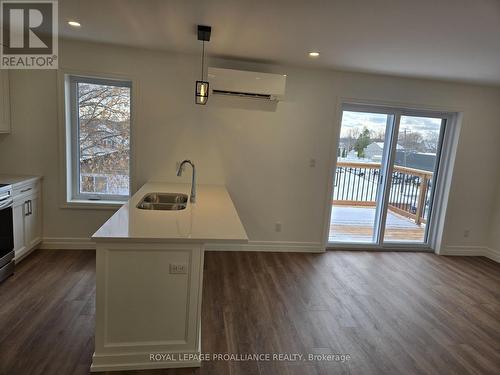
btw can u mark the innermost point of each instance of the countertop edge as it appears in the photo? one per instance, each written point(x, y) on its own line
point(18, 180)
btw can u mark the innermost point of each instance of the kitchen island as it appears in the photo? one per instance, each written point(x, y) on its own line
point(149, 266)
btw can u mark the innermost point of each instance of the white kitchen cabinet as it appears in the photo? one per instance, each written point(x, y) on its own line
point(33, 223)
point(27, 217)
point(19, 231)
point(4, 102)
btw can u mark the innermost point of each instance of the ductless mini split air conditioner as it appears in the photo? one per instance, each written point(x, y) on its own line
point(247, 84)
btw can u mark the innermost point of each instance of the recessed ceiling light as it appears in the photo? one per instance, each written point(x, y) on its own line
point(74, 23)
point(313, 54)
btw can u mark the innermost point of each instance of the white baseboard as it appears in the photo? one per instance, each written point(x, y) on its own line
point(493, 254)
point(138, 361)
point(475, 251)
point(65, 243)
point(269, 246)
point(460, 250)
point(22, 254)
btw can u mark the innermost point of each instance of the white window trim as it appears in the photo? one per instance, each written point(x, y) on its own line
point(65, 140)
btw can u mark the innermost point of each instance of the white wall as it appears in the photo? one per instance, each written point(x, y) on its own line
point(494, 244)
point(259, 151)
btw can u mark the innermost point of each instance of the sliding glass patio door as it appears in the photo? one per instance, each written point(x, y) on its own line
point(385, 177)
point(356, 194)
point(413, 166)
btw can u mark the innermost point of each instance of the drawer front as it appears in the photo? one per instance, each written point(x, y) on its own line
point(21, 191)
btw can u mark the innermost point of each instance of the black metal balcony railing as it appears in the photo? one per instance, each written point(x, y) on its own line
point(356, 184)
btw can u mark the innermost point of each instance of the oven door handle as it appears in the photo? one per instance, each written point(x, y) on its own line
point(6, 203)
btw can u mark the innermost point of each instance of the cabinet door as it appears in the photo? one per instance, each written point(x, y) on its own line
point(32, 222)
point(19, 211)
point(4, 102)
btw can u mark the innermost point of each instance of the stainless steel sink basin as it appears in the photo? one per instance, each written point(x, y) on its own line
point(163, 201)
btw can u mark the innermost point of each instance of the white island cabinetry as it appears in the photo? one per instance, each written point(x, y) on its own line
point(149, 278)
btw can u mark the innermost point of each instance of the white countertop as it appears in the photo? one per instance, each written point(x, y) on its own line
point(212, 218)
point(12, 179)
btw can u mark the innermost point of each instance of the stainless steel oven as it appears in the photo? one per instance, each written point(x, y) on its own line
point(6, 233)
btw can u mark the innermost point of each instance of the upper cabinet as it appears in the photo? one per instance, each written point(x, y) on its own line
point(4, 102)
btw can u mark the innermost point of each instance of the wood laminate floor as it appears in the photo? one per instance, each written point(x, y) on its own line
point(393, 313)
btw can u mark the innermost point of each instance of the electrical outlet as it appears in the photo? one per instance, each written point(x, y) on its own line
point(178, 268)
point(466, 233)
point(312, 162)
point(278, 226)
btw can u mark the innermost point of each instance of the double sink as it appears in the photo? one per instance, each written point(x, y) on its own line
point(163, 201)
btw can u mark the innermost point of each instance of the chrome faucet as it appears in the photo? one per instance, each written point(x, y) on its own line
point(192, 197)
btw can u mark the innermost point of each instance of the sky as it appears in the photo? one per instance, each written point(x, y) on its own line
point(376, 122)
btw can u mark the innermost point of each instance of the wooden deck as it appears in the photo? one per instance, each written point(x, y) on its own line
point(355, 224)
point(365, 233)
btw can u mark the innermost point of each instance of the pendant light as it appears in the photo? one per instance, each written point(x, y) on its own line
point(201, 89)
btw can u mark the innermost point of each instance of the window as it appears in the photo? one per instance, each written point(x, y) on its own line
point(386, 176)
point(100, 138)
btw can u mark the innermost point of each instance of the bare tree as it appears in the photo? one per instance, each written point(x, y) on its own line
point(352, 136)
point(104, 114)
point(411, 141)
point(104, 135)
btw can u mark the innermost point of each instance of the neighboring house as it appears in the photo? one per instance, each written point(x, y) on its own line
point(107, 173)
point(374, 151)
point(342, 149)
point(102, 138)
point(104, 158)
point(418, 160)
point(352, 155)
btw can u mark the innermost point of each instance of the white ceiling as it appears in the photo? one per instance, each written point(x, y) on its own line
point(443, 39)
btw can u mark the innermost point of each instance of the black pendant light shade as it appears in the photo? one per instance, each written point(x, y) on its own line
point(201, 88)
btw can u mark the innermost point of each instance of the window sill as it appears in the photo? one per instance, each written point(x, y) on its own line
point(93, 205)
